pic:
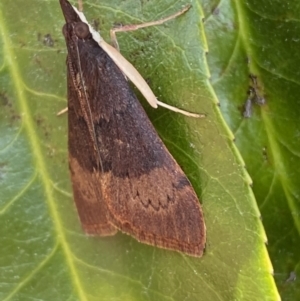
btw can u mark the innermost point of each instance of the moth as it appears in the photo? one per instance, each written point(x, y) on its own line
point(123, 176)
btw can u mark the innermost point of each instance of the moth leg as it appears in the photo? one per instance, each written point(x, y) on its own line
point(134, 27)
point(162, 104)
point(183, 112)
point(63, 111)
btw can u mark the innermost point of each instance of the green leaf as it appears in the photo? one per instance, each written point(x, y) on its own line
point(44, 253)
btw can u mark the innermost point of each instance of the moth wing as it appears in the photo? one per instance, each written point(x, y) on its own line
point(84, 171)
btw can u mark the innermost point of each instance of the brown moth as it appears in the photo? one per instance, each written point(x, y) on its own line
point(123, 176)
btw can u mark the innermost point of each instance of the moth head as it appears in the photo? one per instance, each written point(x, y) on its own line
point(82, 30)
point(78, 29)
